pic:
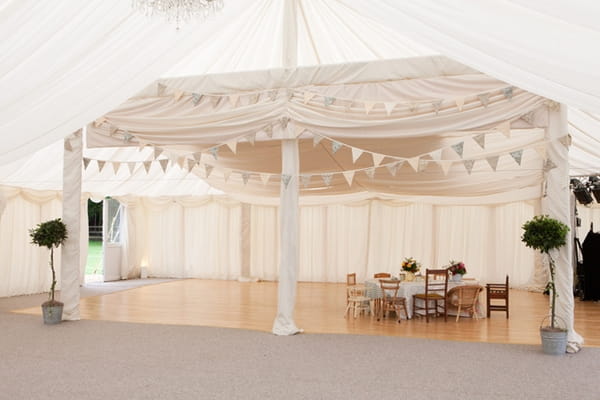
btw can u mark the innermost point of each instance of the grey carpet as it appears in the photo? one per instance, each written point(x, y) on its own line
point(111, 360)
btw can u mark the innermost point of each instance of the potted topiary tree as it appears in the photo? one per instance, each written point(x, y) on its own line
point(545, 234)
point(50, 234)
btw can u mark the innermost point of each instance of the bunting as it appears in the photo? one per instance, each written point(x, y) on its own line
point(508, 92)
point(458, 148)
point(436, 106)
point(356, 153)
point(469, 165)
point(308, 97)
point(504, 127)
point(493, 162)
point(414, 163)
point(265, 178)
point(226, 174)
point(196, 97)
point(67, 145)
point(517, 155)
point(369, 106)
point(232, 144)
point(549, 165)
point(233, 99)
point(305, 179)
point(327, 101)
point(208, 169)
point(131, 167)
point(484, 98)
point(116, 165)
point(157, 152)
point(394, 167)
point(377, 158)
point(251, 138)
point(86, 162)
point(349, 176)
point(269, 131)
point(335, 146)
point(191, 164)
point(100, 165)
point(285, 178)
point(370, 172)
point(389, 107)
point(445, 165)
point(316, 140)
point(245, 177)
point(147, 165)
point(215, 152)
point(460, 102)
point(480, 140)
point(327, 179)
point(163, 164)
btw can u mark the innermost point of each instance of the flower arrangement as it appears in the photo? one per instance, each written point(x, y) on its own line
point(410, 265)
point(457, 267)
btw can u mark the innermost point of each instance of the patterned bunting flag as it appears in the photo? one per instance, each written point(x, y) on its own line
point(196, 97)
point(160, 89)
point(147, 165)
point(112, 130)
point(517, 155)
point(285, 178)
point(422, 164)
point(335, 146)
point(316, 139)
point(215, 152)
point(283, 121)
point(273, 94)
point(484, 98)
point(327, 101)
point(370, 172)
point(245, 177)
point(549, 165)
point(269, 131)
point(327, 179)
point(377, 158)
point(458, 148)
point(436, 106)
point(436, 155)
point(197, 156)
point(127, 137)
point(565, 140)
point(528, 117)
point(305, 179)
point(508, 92)
point(393, 167)
point(493, 162)
point(469, 165)
point(480, 140)
point(356, 153)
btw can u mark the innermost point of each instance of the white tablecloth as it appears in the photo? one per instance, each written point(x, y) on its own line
point(408, 289)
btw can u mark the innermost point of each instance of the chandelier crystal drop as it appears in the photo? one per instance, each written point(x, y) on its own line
point(178, 11)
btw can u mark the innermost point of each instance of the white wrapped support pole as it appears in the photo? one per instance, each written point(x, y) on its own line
point(70, 265)
point(557, 204)
point(288, 265)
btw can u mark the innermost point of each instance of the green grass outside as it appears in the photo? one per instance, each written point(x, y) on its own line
point(94, 260)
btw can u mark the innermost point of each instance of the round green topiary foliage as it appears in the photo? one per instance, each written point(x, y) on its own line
point(544, 233)
point(50, 234)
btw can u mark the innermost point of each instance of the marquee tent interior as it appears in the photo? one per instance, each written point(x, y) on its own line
point(389, 152)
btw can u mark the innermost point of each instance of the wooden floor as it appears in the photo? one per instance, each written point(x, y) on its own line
point(319, 309)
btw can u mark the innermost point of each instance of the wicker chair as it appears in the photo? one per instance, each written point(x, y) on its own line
point(390, 300)
point(464, 298)
point(436, 288)
point(357, 301)
point(382, 275)
point(497, 291)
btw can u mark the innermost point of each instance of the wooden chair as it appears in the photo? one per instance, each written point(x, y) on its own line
point(390, 300)
point(497, 291)
point(357, 300)
point(382, 275)
point(350, 281)
point(464, 298)
point(436, 289)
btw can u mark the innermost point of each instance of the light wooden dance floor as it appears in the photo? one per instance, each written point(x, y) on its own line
point(319, 309)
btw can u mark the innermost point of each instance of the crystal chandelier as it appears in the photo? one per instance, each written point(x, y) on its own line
point(178, 10)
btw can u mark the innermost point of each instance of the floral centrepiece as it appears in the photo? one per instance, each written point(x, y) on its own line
point(457, 268)
point(411, 265)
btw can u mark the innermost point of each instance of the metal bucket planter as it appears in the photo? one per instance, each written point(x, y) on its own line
point(52, 312)
point(554, 340)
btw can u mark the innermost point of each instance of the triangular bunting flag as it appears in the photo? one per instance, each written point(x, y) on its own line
point(460, 102)
point(147, 165)
point(370, 172)
point(245, 177)
point(377, 158)
point(393, 167)
point(208, 169)
point(116, 165)
point(436, 106)
point(226, 174)
point(493, 162)
point(290, 94)
point(414, 163)
point(86, 162)
point(335, 146)
point(413, 107)
point(67, 145)
point(423, 164)
point(436, 155)
point(548, 165)
point(484, 98)
point(356, 153)
point(327, 179)
point(215, 152)
point(265, 178)
point(305, 179)
point(232, 144)
point(157, 152)
point(215, 100)
point(160, 89)
point(180, 161)
point(508, 92)
point(273, 94)
point(327, 101)
point(480, 140)
point(445, 165)
point(197, 156)
point(298, 130)
point(163, 164)
point(308, 96)
point(285, 178)
point(389, 107)
point(528, 117)
point(565, 140)
point(349, 175)
point(253, 98)
point(191, 164)
point(127, 137)
point(233, 99)
point(113, 129)
point(269, 131)
point(348, 105)
point(469, 165)
point(458, 148)
point(99, 121)
point(517, 155)
point(283, 121)
point(316, 140)
point(177, 95)
point(369, 106)
point(100, 165)
point(131, 166)
point(504, 128)
point(196, 97)
point(251, 138)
